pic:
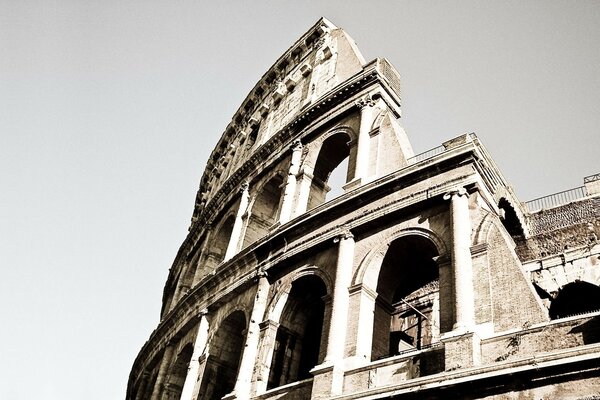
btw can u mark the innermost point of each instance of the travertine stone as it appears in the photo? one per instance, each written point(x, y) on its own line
point(445, 288)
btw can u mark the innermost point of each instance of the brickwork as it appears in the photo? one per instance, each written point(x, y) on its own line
point(509, 281)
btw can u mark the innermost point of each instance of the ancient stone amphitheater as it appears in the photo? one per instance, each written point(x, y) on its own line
point(407, 276)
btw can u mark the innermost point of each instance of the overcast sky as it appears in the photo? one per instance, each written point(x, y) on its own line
point(109, 111)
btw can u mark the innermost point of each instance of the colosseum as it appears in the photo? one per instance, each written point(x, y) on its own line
point(326, 260)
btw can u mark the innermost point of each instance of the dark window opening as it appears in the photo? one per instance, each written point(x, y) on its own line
point(511, 220)
point(574, 298)
point(253, 136)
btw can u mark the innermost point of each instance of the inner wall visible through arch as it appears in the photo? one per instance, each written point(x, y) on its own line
point(406, 314)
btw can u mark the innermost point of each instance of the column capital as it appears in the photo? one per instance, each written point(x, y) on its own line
point(268, 323)
point(244, 186)
point(203, 312)
point(366, 101)
point(296, 145)
point(345, 234)
point(456, 192)
point(261, 272)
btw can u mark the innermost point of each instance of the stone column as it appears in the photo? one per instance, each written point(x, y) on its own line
point(200, 269)
point(243, 384)
point(191, 379)
point(268, 333)
point(140, 394)
point(236, 232)
point(290, 185)
point(329, 377)
point(366, 106)
point(362, 303)
point(162, 372)
point(339, 309)
point(305, 182)
point(461, 260)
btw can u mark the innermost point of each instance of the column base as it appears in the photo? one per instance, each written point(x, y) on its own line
point(233, 395)
point(462, 349)
point(353, 184)
point(328, 381)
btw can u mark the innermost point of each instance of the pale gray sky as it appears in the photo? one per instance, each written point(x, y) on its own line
point(109, 110)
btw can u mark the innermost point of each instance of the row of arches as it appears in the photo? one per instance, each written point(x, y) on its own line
point(410, 309)
point(265, 204)
point(294, 334)
point(322, 173)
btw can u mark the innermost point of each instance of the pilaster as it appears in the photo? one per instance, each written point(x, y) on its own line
point(192, 379)
point(236, 232)
point(290, 185)
point(243, 385)
point(366, 106)
point(162, 372)
point(461, 260)
point(329, 376)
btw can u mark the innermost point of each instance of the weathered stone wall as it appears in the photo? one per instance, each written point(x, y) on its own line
point(561, 228)
point(574, 213)
point(566, 334)
point(510, 284)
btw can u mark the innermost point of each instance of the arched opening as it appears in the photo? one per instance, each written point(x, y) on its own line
point(406, 312)
point(225, 350)
point(264, 210)
point(575, 298)
point(178, 372)
point(298, 339)
point(510, 220)
point(219, 242)
point(334, 152)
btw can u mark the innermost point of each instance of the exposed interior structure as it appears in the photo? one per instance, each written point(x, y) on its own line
point(423, 277)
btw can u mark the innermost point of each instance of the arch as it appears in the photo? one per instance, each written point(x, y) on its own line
point(378, 118)
point(279, 299)
point(216, 251)
point(316, 145)
point(224, 356)
point(371, 264)
point(406, 310)
point(178, 372)
point(510, 219)
point(264, 209)
point(334, 150)
point(575, 298)
point(328, 154)
point(298, 340)
point(481, 233)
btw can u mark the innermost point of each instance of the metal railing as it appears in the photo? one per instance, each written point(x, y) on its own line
point(591, 178)
point(426, 154)
point(556, 199)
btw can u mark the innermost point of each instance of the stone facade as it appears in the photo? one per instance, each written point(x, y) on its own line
point(425, 278)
